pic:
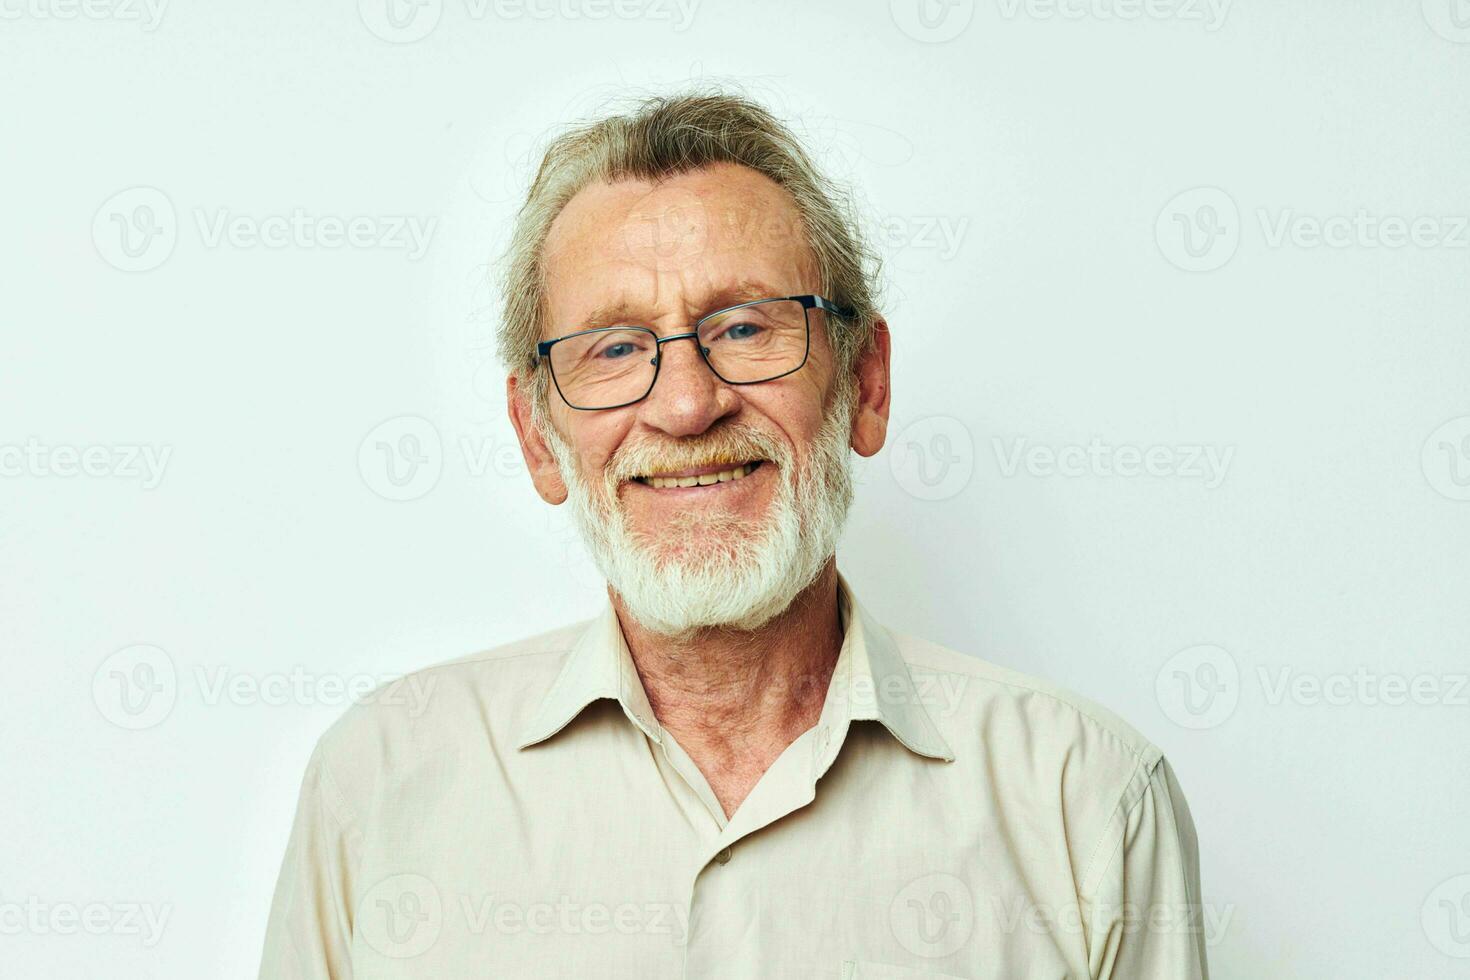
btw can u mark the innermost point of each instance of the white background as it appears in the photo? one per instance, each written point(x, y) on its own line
point(1064, 309)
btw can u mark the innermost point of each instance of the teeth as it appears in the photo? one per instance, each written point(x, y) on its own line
point(708, 479)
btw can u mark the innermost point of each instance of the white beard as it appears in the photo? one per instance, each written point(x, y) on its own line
point(714, 569)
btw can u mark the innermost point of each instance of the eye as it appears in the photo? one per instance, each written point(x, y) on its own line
point(618, 345)
point(740, 331)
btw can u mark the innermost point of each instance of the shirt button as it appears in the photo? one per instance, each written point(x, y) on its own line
point(723, 857)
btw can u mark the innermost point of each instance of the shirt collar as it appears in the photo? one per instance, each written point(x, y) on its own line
point(871, 682)
point(598, 666)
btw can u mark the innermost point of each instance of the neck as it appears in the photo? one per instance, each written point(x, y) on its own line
point(733, 699)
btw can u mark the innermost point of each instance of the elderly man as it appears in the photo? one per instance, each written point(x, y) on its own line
point(733, 771)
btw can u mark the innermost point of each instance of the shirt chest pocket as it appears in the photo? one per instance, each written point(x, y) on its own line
point(862, 970)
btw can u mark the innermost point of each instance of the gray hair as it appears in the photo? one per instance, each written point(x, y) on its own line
point(661, 137)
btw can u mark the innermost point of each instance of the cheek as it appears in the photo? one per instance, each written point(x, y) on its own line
point(795, 411)
point(592, 440)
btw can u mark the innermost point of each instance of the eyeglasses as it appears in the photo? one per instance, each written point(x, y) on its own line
point(611, 367)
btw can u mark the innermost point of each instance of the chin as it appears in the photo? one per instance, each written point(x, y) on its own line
point(699, 537)
point(709, 558)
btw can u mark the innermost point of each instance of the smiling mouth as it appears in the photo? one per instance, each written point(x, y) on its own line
point(699, 476)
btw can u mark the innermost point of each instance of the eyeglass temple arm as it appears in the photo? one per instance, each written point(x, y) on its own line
point(822, 303)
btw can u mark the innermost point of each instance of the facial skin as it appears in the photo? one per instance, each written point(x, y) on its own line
point(661, 255)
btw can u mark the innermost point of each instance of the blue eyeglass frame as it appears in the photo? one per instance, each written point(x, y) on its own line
point(807, 301)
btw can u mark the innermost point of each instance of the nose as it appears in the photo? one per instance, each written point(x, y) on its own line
point(687, 398)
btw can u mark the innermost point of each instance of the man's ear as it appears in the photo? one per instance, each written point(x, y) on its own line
point(870, 414)
point(545, 474)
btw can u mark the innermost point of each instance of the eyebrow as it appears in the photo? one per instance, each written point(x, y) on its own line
point(621, 313)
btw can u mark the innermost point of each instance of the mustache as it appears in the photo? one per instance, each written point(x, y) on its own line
point(728, 445)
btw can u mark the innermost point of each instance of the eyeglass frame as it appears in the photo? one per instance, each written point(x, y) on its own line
point(808, 302)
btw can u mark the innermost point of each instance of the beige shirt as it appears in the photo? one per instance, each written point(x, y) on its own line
point(520, 813)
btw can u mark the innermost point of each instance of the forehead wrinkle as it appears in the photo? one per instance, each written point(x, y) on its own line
point(593, 232)
point(697, 302)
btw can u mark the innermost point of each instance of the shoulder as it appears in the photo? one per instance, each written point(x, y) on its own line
point(478, 698)
point(969, 689)
point(1028, 745)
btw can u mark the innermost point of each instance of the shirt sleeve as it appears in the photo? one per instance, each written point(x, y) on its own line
point(1143, 907)
point(309, 933)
